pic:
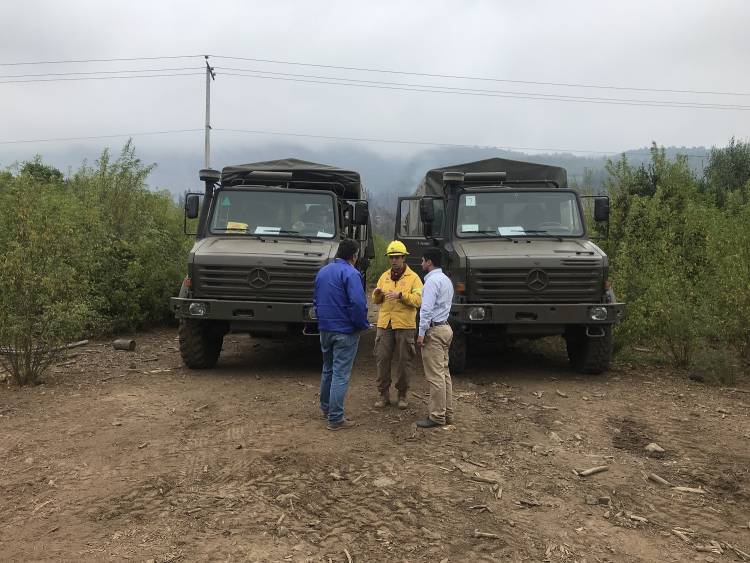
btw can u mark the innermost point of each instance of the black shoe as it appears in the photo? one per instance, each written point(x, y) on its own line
point(428, 423)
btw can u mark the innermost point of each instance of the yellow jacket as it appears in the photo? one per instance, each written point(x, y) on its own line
point(400, 313)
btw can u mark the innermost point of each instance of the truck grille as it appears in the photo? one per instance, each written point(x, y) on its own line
point(580, 284)
point(291, 283)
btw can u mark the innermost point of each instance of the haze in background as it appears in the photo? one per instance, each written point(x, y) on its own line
point(667, 45)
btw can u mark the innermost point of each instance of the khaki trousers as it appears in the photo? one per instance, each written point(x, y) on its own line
point(394, 344)
point(437, 340)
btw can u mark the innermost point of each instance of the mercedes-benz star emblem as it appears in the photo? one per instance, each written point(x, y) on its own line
point(537, 280)
point(258, 278)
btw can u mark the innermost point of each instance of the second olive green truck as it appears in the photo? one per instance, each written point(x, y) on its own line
point(516, 245)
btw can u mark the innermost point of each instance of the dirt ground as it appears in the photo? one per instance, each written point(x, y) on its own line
point(127, 456)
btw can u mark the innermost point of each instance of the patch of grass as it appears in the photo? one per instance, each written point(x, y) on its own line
point(714, 367)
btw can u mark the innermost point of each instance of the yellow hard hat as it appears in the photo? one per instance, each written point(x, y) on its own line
point(396, 248)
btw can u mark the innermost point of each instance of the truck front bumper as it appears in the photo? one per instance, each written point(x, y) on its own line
point(537, 313)
point(259, 311)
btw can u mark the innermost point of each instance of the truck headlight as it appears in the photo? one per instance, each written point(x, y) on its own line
point(198, 309)
point(311, 314)
point(598, 313)
point(477, 313)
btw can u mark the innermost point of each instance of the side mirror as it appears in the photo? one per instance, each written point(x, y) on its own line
point(361, 213)
point(601, 209)
point(192, 204)
point(427, 210)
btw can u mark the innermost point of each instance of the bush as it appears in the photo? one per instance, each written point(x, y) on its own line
point(44, 297)
point(98, 252)
point(713, 366)
point(680, 260)
point(379, 263)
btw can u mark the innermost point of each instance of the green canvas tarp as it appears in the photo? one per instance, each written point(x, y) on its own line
point(432, 183)
point(303, 172)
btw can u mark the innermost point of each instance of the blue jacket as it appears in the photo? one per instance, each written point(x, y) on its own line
point(339, 298)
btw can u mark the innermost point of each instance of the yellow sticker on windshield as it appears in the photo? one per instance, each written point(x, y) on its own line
point(236, 226)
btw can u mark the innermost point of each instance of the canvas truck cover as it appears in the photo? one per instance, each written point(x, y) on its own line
point(432, 183)
point(302, 172)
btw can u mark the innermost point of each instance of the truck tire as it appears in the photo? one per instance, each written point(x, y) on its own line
point(200, 343)
point(457, 352)
point(590, 355)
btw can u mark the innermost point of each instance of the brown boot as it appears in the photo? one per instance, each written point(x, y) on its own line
point(402, 402)
point(383, 402)
point(343, 425)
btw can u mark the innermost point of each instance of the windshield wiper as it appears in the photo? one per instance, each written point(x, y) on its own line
point(287, 232)
point(544, 234)
point(490, 233)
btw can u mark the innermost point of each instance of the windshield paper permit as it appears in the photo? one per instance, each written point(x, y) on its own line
point(323, 234)
point(470, 228)
point(509, 231)
point(267, 230)
point(236, 226)
point(471, 201)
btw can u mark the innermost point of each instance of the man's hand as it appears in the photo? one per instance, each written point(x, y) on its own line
point(378, 291)
point(420, 341)
point(391, 295)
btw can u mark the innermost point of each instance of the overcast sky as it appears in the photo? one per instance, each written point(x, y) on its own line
point(676, 45)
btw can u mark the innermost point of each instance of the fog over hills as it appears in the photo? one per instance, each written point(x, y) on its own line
point(384, 175)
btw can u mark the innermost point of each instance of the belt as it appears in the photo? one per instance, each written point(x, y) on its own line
point(438, 323)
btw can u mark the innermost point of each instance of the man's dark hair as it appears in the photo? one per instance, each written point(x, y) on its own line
point(434, 256)
point(348, 248)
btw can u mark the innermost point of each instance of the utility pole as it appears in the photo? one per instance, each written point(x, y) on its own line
point(210, 75)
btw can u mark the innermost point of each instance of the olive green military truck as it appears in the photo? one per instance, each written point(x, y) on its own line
point(263, 232)
point(514, 243)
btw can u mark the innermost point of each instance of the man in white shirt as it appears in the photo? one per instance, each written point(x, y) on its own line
point(435, 335)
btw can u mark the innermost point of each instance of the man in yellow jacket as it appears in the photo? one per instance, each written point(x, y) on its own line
point(399, 294)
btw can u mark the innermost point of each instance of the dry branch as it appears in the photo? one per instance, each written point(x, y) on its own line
point(593, 471)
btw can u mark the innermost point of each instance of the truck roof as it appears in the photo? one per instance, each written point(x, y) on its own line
point(304, 174)
point(432, 183)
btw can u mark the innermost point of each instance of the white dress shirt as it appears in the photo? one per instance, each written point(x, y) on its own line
point(437, 296)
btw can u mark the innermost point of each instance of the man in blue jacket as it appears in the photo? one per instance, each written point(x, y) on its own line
point(341, 308)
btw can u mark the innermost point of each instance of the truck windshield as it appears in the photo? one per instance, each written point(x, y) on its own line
point(283, 213)
point(522, 213)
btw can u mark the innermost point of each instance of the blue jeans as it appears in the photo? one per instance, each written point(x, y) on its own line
point(339, 350)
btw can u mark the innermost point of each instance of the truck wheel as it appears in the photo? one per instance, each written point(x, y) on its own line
point(200, 343)
point(590, 355)
point(457, 352)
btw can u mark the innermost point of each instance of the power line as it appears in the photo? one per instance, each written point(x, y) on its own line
point(88, 137)
point(74, 61)
point(547, 97)
point(448, 89)
point(41, 75)
point(99, 78)
point(388, 71)
point(485, 78)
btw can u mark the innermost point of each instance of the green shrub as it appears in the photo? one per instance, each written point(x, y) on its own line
point(379, 263)
point(713, 366)
point(44, 291)
point(680, 261)
point(98, 252)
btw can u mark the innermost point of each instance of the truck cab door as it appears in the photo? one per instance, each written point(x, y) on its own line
point(411, 230)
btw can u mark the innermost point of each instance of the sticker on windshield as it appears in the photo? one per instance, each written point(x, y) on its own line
point(470, 228)
point(225, 201)
point(236, 226)
point(323, 234)
point(471, 201)
point(509, 231)
point(267, 230)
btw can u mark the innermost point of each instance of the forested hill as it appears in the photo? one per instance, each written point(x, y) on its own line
point(384, 175)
